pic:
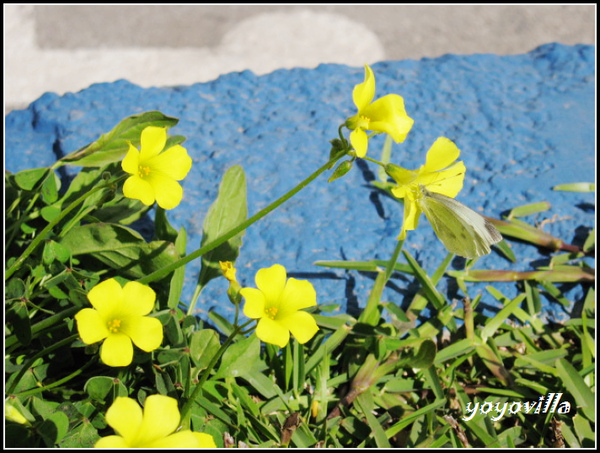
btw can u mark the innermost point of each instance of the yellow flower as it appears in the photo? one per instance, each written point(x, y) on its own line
point(440, 174)
point(154, 174)
point(228, 270)
point(386, 114)
point(276, 303)
point(118, 318)
point(152, 427)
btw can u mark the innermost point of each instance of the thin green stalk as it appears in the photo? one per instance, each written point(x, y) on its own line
point(60, 381)
point(40, 237)
point(157, 275)
point(373, 160)
point(188, 405)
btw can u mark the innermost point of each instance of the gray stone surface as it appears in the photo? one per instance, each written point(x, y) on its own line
point(65, 48)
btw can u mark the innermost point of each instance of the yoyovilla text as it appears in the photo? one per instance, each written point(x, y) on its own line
point(549, 403)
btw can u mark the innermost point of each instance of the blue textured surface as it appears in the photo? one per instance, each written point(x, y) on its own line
point(524, 124)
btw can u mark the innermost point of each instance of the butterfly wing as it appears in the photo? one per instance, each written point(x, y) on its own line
point(463, 231)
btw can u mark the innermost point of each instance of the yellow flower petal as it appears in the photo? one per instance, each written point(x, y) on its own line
point(254, 307)
point(161, 418)
point(412, 212)
point(302, 325)
point(174, 162)
point(447, 182)
point(272, 332)
point(297, 294)
point(131, 161)
point(205, 440)
point(168, 192)
point(441, 154)
point(125, 417)
point(139, 189)
point(117, 350)
point(111, 442)
point(91, 326)
point(271, 281)
point(153, 141)
point(359, 141)
point(181, 439)
point(106, 295)
point(138, 298)
point(388, 115)
point(146, 333)
point(364, 93)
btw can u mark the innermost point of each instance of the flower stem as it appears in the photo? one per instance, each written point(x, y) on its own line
point(157, 275)
point(373, 160)
point(40, 237)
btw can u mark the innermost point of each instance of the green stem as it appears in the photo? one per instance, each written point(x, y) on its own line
point(42, 353)
point(157, 275)
point(188, 405)
point(40, 237)
point(374, 161)
point(48, 322)
point(60, 381)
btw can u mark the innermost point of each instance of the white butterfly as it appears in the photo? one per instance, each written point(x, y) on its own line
point(461, 230)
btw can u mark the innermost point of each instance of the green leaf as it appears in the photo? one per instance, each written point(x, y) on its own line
point(50, 188)
point(577, 387)
point(53, 251)
point(204, 344)
point(120, 248)
point(100, 388)
point(529, 209)
point(112, 146)
point(577, 187)
point(14, 289)
point(28, 179)
point(428, 286)
point(240, 358)
point(363, 403)
point(227, 211)
point(54, 428)
point(49, 213)
point(493, 324)
point(83, 436)
point(425, 355)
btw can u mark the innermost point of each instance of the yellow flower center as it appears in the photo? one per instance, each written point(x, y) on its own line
point(143, 171)
point(363, 122)
point(271, 312)
point(114, 325)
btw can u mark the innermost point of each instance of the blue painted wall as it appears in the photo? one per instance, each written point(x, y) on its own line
point(524, 123)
